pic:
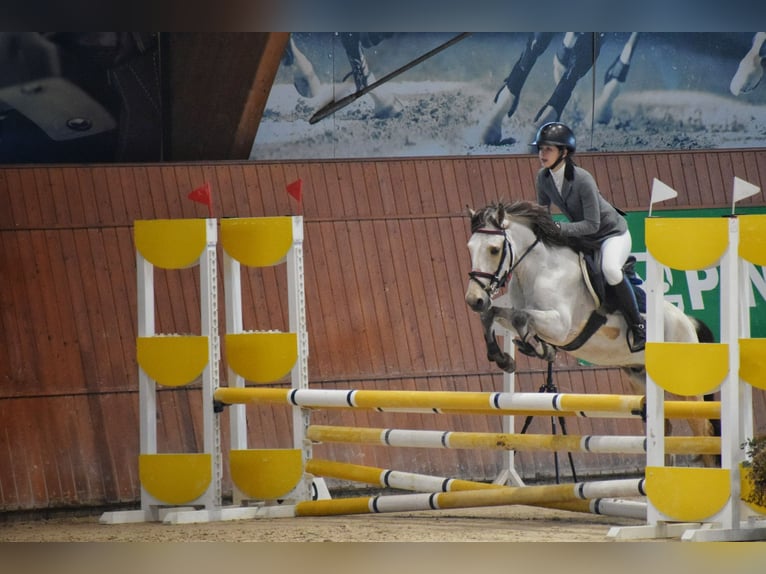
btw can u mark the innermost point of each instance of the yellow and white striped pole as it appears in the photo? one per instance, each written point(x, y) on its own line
point(426, 483)
point(507, 441)
point(529, 495)
point(454, 402)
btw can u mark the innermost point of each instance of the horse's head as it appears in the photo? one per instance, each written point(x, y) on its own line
point(491, 256)
point(501, 237)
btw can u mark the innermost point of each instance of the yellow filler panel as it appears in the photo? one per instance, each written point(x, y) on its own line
point(752, 238)
point(687, 369)
point(172, 360)
point(171, 243)
point(266, 474)
point(752, 362)
point(261, 357)
point(257, 241)
point(175, 478)
point(687, 494)
point(687, 243)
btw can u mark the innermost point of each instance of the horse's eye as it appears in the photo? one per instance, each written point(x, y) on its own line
point(494, 251)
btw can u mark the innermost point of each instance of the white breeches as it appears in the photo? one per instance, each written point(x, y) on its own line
point(614, 252)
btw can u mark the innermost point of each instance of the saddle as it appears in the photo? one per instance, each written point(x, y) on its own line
point(603, 295)
point(602, 292)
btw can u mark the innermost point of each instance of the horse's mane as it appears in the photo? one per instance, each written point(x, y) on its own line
point(533, 215)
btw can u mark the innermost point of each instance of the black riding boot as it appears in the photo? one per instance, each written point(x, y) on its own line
point(636, 335)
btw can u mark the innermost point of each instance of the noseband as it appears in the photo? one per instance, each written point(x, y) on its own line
point(499, 278)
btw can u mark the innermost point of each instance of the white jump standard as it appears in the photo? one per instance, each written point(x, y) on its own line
point(703, 504)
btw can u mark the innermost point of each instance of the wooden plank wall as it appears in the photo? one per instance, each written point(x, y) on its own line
point(385, 274)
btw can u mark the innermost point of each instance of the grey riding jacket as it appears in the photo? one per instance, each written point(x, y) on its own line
point(590, 215)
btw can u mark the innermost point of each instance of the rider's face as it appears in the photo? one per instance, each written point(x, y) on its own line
point(549, 154)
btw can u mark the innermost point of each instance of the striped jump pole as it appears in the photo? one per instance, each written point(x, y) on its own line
point(528, 495)
point(426, 483)
point(505, 441)
point(462, 402)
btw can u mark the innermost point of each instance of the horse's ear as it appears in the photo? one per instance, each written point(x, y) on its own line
point(501, 222)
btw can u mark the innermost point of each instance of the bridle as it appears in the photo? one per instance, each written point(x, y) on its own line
point(499, 278)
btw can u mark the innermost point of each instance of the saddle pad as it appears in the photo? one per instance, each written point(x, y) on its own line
point(586, 278)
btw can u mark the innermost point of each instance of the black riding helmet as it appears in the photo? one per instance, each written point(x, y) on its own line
point(555, 134)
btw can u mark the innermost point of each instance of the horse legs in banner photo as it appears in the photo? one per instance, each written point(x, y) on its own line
point(565, 55)
point(308, 84)
point(577, 58)
point(507, 98)
point(750, 69)
point(572, 61)
point(614, 78)
point(305, 80)
point(386, 105)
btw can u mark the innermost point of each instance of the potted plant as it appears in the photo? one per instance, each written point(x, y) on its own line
point(753, 474)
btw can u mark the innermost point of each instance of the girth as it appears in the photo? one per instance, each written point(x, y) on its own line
point(595, 321)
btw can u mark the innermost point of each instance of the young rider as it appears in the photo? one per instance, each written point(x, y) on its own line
point(591, 217)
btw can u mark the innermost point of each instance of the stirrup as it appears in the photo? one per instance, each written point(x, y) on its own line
point(636, 338)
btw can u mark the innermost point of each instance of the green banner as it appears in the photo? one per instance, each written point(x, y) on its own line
point(697, 292)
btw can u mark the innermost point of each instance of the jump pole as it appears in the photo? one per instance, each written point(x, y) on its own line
point(456, 402)
point(426, 483)
point(528, 495)
point(507, 441)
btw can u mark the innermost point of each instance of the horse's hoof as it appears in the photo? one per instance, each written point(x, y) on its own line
point(388, 108)
point(507, 363)
point(550, 354)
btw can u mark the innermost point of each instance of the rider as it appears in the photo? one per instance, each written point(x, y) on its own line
point(574, 191)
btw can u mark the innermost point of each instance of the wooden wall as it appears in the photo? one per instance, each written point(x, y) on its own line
point(385, 275)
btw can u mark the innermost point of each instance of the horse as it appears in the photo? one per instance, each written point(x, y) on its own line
point(552, 303)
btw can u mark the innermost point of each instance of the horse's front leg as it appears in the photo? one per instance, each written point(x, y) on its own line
point(494, 353)
point(528, 341)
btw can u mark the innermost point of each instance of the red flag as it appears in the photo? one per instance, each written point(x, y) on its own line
point(296, 189)
point(202, 195)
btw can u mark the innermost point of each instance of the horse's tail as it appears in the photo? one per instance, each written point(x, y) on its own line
point(705, 335)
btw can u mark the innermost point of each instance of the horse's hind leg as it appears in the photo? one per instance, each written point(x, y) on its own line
point(699, 427)
point(705, 427)
point(702, 428)
point(637, 378)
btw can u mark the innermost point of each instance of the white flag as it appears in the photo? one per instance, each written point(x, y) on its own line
point(661, 192)
point(743, 189)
